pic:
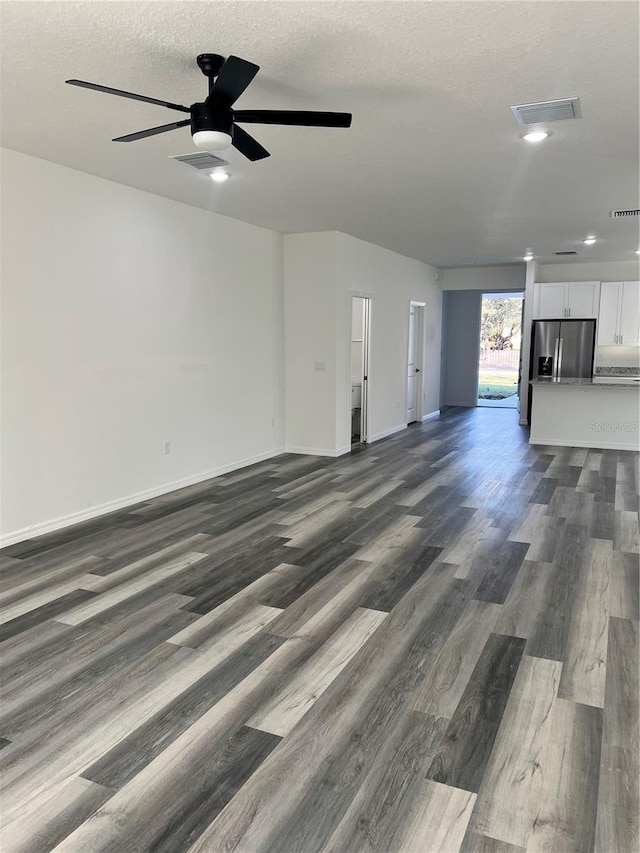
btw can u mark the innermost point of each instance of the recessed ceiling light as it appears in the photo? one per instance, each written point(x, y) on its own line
point(536, 135)
point(589, 241)
point(219, 177)
point(637, 251)
point(528, 256)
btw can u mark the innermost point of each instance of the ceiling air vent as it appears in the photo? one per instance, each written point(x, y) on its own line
point(546, 111)
point(200, 160)
point(565, 253)
point(623, 214)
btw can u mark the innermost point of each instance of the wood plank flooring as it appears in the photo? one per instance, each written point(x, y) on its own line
point(430, 644)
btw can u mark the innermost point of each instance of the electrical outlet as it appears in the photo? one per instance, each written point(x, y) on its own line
point(167, 447)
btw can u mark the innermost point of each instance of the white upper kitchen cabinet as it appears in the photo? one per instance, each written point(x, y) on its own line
point(630, 314)
point(609, 317)
point(584, 299)
point(564, 300)
point(550, 301)
point(619, 320)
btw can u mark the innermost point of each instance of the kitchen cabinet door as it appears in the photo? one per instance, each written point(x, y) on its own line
point(630, 314)
point(609, 315)
point(582, 300)
point(552, 301)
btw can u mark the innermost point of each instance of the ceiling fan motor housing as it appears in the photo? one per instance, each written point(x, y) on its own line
point(204, 118)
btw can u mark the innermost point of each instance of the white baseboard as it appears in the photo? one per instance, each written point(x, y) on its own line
point(430, 416)
point(595, 444)
point(342, 450)
point(121, 503)
point(523, 422)
point(386, 433)
point(317, 451)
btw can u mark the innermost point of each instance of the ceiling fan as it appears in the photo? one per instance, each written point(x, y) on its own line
point(213, 121)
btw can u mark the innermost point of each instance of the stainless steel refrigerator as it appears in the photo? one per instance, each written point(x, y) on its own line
point(562, 349)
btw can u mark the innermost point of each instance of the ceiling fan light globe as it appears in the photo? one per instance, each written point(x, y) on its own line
point(211, 140)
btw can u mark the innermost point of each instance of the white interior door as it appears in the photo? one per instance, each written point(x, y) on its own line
point(412, 370)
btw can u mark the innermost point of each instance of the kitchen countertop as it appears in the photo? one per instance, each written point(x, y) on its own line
point(596, 382)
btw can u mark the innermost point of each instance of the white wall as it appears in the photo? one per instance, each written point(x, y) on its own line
point(507, 277)
point(596, 271)
point(393, 282)
point(310, 337)
point(322, 273)
point(128, 320)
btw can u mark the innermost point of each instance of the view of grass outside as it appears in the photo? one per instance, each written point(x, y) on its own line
point(499, 350)
point(496, 384)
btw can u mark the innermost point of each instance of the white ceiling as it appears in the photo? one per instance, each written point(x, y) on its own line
point(433, 166)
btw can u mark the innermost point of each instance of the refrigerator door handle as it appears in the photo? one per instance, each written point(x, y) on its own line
point(559, 370)
point(555, 358)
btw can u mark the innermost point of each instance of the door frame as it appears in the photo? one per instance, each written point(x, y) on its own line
point(419, 338)
point(366, 362)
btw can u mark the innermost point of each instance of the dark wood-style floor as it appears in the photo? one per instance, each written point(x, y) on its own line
point(428, 645)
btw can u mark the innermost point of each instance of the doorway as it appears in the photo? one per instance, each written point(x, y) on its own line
point(360, 332)
point(500, 342)
point(414, 361)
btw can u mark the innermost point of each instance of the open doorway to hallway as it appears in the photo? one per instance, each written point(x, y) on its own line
point(500, 341)
point(414, 363)
point(360, 331)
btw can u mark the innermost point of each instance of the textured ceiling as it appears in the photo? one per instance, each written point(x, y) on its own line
point(433, 166)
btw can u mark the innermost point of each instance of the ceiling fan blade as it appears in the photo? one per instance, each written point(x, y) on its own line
point(247, 145)
point(301, 118)
point(152, 131)
point(124, 94)
point(234, 77)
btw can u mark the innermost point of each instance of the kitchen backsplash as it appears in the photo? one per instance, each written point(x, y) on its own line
point(617, 371)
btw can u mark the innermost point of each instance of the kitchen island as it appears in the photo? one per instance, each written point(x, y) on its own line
point(602, 412)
